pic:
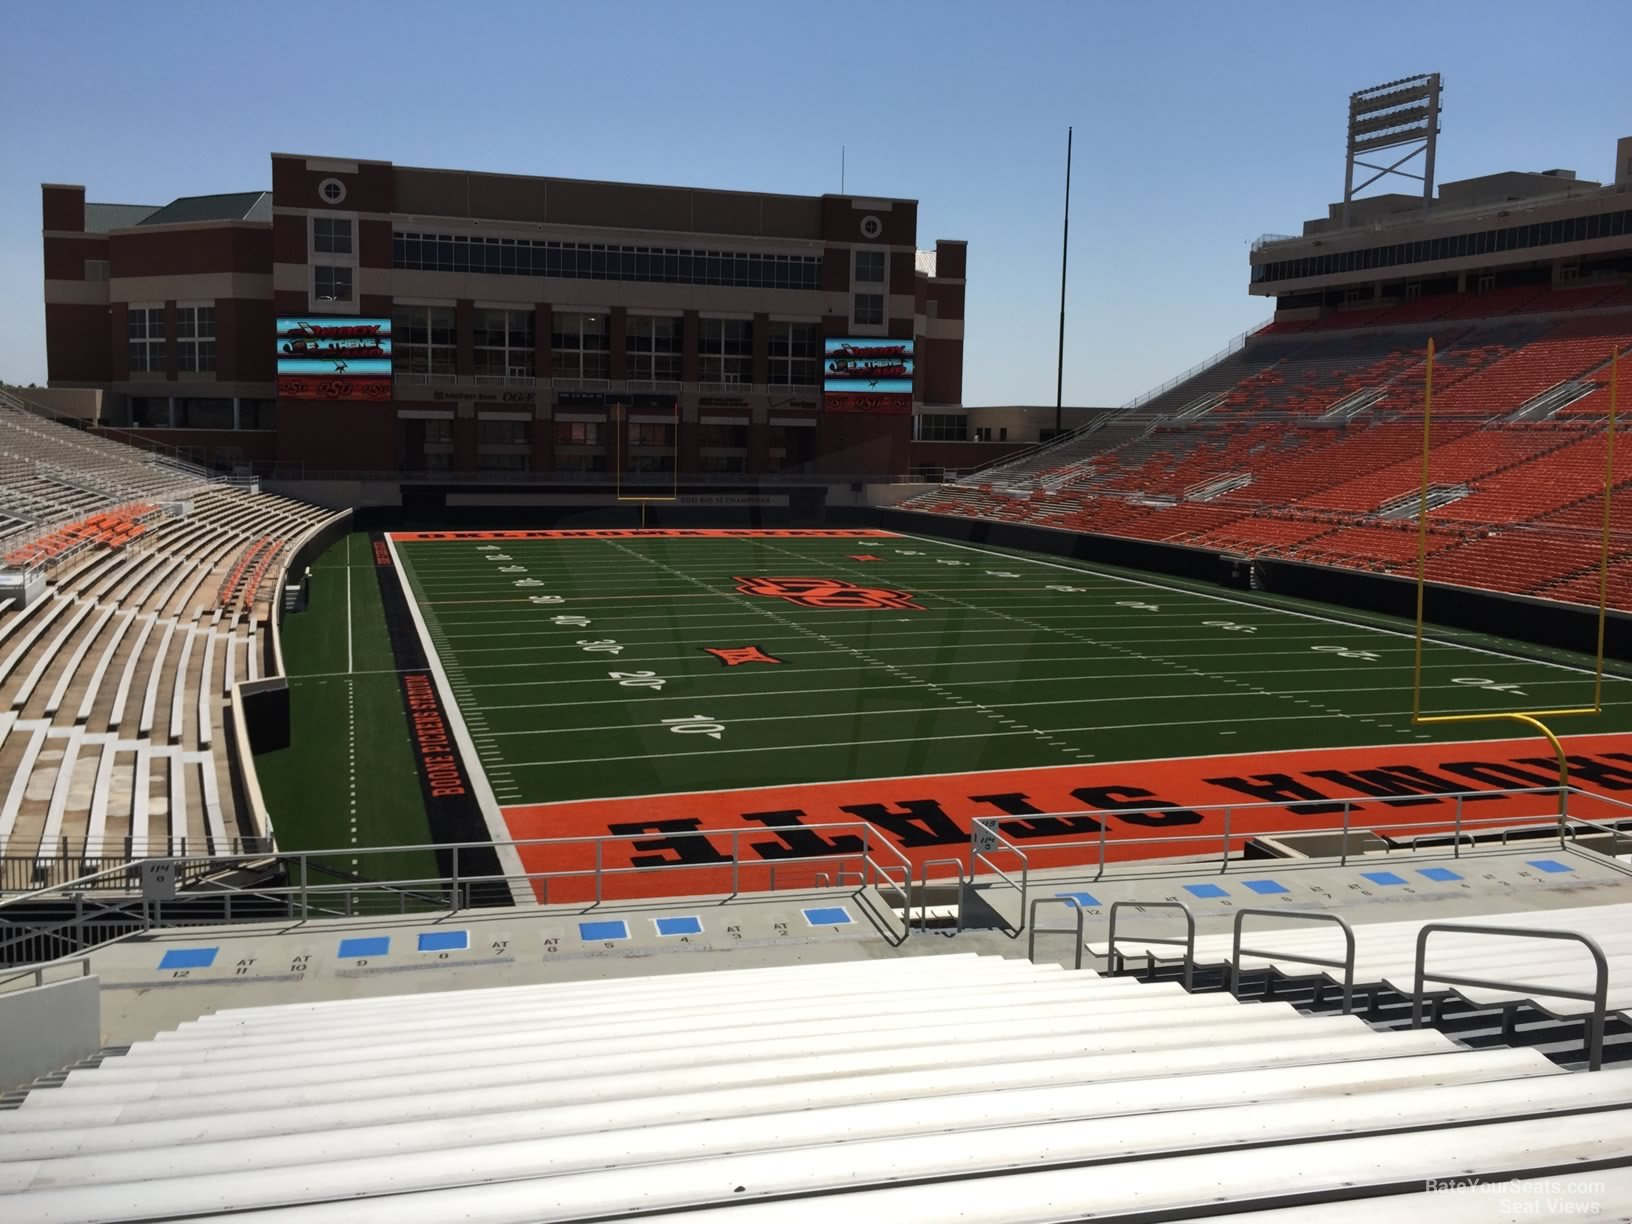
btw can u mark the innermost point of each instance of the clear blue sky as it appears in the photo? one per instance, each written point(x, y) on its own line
point(1198, 126)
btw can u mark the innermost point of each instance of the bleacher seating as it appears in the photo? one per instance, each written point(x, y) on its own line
point(55, 479)
point(1310, 447)
point(923, 1089)
point(113, 684)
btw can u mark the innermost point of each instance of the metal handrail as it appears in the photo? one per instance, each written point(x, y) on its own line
point(1001, 843)
point(923, 905)
point(117, 874)
point(38, 972)
point(1235, 345)
point(1212, 840)
point(1188, 943)
point(1035, 930)
point(1598, 996)
point(1325, 962)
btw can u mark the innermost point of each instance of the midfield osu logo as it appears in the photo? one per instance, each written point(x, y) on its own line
point(829, 593)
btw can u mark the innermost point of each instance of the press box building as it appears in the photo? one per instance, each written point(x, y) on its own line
point(367, 317)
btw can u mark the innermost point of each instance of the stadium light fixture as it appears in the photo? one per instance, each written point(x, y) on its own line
point(1387, 116)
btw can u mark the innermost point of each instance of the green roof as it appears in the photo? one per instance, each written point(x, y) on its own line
point(234, 206)
point(100, 218)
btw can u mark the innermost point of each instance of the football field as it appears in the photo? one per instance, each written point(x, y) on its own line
point(670, 680)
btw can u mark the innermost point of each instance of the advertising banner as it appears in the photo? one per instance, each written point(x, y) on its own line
point(334, 358)
point(867, 374)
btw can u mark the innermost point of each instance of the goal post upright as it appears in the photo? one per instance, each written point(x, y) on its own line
point(1530, 718)
point(644, 499)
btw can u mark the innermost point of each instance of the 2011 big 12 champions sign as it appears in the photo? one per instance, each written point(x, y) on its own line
point(867, 374)
point(334, 358)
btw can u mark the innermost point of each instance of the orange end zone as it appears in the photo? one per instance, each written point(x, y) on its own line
point(672, 533)
point(930, 817)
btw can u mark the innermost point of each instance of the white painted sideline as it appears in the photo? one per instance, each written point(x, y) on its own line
point(510, 864)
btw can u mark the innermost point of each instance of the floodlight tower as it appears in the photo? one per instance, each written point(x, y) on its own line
point(1403, 112)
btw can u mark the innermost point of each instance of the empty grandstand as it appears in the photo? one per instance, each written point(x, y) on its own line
point(1306, 446)
point(139, 591)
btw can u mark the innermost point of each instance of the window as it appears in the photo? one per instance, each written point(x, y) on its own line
point(257, 414)
point(723, 435)
point(421, 252)
point(504, 343)
point(869, 309)
point(578, 345)
point(651, 463)
point(942, 427)
point(423, 340)
point(150, 410)
point(331, 284)
point(727, 350)
point(721, 463)
point(332, 190)
point(580, 433)
point(438, 461)
point(195, 339)
point(654, 348)
point(331, 235)
point(503, 461)
point(501, 433)
point(795, 351)
point(144, 330)
point(870, 267)
point(96, 269)
point(644, 434)
point(581, 463)
point(204, 414)
point(438, 432)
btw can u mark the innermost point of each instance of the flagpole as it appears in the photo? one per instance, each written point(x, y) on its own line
point(1065, 253)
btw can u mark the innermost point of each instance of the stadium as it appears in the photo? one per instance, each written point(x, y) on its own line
point(525, 698)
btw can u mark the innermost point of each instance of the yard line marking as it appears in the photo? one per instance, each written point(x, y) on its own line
point(487, 801)
point(1514, 742)
point(349, 663)
point(839, 648)
point(776, 616)
point(715, 750)
point(1278, 671)
point(1240, 603)
point(800, 717)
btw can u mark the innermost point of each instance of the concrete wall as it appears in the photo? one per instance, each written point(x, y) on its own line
point(47, 1028)
point(79, 403)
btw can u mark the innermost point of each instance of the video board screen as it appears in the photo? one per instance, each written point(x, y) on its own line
point(867, 374)
point(334, 358)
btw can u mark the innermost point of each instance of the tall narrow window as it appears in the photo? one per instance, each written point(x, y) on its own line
point(331, 235)
point(654, 348)
point(869, 309)
point(578, 345)
point(870, 267)
point(423, 340)
point(145, 335)
point(727, 350)
point(331, 284)
point(195, 339)
point(504, 343)
point(794, 354)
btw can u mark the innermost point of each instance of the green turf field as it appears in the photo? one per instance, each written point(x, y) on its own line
point(582, 666)
point(348, 778)
point(1006, 661)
